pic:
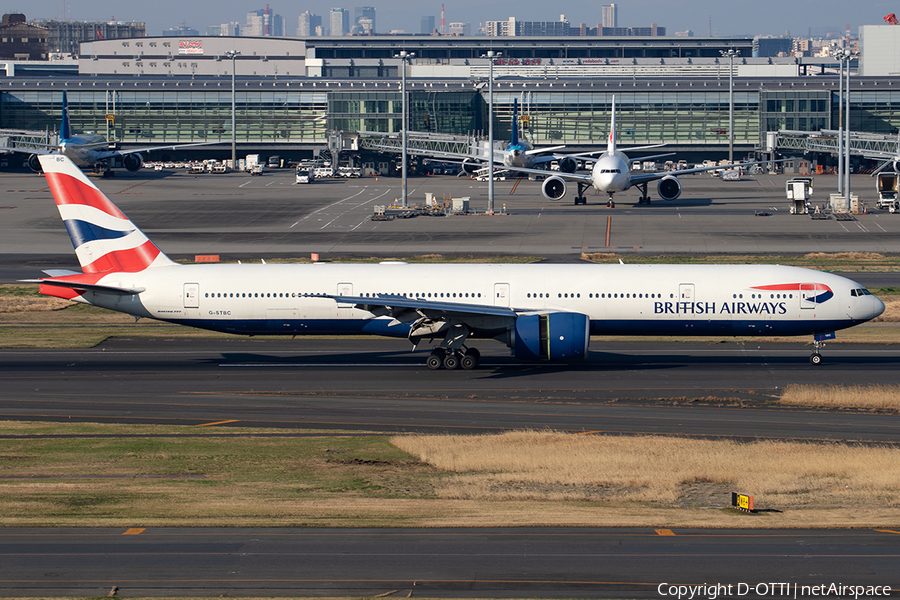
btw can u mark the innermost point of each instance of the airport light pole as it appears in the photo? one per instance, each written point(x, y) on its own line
point(232, 54)
point(838, 54)
point(491, 55)
point(730, 54)
point(404, 57)
point(848, 56)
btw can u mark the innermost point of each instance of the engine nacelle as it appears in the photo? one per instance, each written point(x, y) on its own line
point(470, 166)
point(554, 188)
point(132, 162)
point(553, 336)
point(34, 164)
point(567, 165)
point(668, 188)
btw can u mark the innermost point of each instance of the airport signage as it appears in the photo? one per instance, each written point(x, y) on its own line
point(190, 46)
point(517, 61)
point(742, 502)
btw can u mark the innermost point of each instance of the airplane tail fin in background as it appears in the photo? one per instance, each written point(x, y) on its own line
point(65, 131)
point(515, 122)
point(611, 144)
point(105, 240)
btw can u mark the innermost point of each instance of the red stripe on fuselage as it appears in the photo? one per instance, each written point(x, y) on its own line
point(69, 190)
point(792, 287)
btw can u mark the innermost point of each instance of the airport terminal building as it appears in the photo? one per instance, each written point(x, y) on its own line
point(290, 92)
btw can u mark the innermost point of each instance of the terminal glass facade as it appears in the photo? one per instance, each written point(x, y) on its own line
point(580, 118)
point(439, 112)
point(162, 116)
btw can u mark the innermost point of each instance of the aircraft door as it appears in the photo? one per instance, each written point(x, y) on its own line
point(501, 294)
point(192, 295)
point(686, 299)
point(344, 289)
point(807, 295)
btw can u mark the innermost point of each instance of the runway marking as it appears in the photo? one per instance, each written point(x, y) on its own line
point(134, 531)
point(664, 531)
point(888, 531)
point(217, 423)
point(353, 207)
point(329, 206)
point(880, 227)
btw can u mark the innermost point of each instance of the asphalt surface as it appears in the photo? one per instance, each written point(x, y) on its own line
point(379, 385)
point(464, 563)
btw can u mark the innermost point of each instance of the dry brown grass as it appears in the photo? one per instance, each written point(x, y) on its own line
point(891, 312)
point(598, 256)
point(885, 397)
point(659, 472)
point(844, 256)
point(29, 304)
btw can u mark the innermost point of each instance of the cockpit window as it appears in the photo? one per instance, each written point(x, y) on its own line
point(860, 292)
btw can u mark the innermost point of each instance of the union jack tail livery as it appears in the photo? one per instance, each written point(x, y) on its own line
point(105, 240)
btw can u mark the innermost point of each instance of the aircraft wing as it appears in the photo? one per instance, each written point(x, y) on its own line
point(27, 150)
point(543, 172)
point(404, 309)
point(113, 153)
point(639, 178)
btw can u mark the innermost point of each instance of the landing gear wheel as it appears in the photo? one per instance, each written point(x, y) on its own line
point(434, 361)
point(815, 359)
point(451, 361)
point(469, 360)
point(610, 204)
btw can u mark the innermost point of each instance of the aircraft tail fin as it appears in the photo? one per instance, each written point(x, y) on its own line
point(105, 240)
point(65, 130)
point(515, 123)
point(611, 144)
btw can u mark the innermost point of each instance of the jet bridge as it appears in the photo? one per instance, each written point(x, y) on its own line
point(869, 145)
point(417, 142)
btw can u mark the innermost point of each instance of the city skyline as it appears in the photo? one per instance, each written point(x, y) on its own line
point(702, 17)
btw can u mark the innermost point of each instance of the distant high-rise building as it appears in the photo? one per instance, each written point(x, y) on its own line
point(459, 29)
point(512, 27)
point(183, 30)
point(427, 25)
point(309, 23)
point(364, 12)
point(67, 36)
point(339, 21)
point(610, 15)
point(264, 22)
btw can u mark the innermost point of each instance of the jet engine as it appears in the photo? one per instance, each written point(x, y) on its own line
point(132, 162)
point(568, 165)
point(470, 166)
point(554, 188)
point(553, 336)
point(669, 188)
point(34, 164)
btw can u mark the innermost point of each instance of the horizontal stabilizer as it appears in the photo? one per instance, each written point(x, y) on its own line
point(92, 287)
point(58, 273)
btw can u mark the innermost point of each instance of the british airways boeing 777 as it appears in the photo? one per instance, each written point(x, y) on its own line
point(542, 312)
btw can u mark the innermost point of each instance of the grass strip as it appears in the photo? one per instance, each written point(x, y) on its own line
point(111, 475)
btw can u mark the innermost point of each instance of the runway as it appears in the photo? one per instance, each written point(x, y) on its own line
point(462, 563)
point(379, 385)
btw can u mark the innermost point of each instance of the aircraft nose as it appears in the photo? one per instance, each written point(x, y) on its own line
point(877, 307)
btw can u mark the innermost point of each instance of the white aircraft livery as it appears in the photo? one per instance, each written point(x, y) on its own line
point(541, 311)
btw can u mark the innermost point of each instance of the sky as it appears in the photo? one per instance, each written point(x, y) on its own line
point(703, 17)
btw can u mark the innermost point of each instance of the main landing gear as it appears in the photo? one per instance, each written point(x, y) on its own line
point(465, 358)
point(580, 198)
point(645, 198)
